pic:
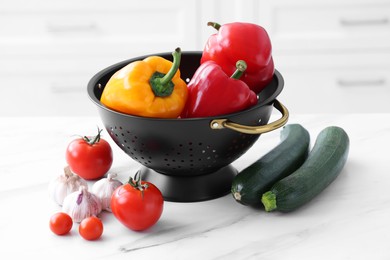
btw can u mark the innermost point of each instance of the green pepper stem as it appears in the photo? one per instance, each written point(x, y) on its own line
point(215, 25)
point(175, 66)
point(162, 85)
point(240, 69)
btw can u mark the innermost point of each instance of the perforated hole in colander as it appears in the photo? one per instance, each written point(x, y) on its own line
point(190, 157)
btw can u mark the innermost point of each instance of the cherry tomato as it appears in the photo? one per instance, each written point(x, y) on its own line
point(137, 204)
point(91, 228)
point(89, 157)
point(60, 223)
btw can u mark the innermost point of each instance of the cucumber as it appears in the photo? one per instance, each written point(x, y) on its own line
point(324, 164)
point(285, 158)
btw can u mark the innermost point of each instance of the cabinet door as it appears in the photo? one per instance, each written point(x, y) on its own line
point(336, 83)
point(49, 49)
point(48, 86)
point(323, 25)
point(101, 27)
point(45, 96)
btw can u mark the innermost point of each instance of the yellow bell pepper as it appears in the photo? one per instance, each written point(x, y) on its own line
point(149, 88)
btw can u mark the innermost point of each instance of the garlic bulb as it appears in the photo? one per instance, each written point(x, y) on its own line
point(81, 204)
point(65, 184)
point(104, 189)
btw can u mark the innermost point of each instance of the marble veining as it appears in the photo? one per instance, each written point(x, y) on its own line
point(349, 220)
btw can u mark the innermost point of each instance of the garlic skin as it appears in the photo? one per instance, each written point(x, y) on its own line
point(64, 184)
point(81, 204)
point(104, 189)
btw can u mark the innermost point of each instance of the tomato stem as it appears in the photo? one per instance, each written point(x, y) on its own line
point(94, 139)
point(136, 183)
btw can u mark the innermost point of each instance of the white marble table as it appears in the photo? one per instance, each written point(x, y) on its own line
point(349, 220)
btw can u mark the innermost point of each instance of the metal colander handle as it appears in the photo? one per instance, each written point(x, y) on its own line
point(224, 123)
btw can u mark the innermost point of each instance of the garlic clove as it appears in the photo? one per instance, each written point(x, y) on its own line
point(81, 204)
point(65, 184)
point(104, 188)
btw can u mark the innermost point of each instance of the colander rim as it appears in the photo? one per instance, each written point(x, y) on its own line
point(95, 79)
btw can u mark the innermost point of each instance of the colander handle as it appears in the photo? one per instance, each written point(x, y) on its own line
point(224, 123)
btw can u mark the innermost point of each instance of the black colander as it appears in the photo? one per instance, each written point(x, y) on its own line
point(188, 159)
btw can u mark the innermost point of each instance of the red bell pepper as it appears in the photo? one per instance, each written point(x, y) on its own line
point(242, 41)
point(212, 93)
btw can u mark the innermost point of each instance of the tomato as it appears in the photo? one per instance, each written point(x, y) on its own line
point(60, 223)
point(137, 204)
point(91, 228)
point(89, 157)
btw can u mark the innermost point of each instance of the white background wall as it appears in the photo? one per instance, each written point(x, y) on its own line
point(334, 54)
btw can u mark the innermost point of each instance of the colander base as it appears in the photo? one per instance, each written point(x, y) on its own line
point(191, 188)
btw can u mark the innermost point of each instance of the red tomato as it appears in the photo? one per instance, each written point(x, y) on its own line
point(91, 228)
point(89, 157)
point(137, 205)
point(60, 223)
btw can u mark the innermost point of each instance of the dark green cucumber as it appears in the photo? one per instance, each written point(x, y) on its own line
point(285, 158)
point(324, 164)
